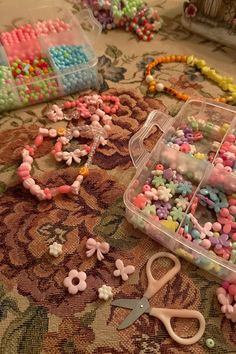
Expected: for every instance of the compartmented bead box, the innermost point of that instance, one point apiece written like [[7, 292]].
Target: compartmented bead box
[[184, 192], [47, 55]]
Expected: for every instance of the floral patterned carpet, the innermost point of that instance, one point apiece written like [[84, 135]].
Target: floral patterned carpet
[[37, 314]]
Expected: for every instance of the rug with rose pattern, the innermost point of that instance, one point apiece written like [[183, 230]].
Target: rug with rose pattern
[[37, 315]]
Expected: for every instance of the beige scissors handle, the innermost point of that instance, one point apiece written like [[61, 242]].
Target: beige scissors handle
[[165, 316], [155, 285]]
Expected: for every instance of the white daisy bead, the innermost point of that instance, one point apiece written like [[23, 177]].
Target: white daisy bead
[[55, 249], [105, 292]]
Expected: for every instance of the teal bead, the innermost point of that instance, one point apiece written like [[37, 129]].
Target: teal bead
[[195, 234]]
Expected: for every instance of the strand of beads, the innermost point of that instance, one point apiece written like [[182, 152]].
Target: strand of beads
[[225, 83], [26, 166], [127, 8]]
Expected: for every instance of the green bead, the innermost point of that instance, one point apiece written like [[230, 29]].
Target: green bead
[[210, 343]]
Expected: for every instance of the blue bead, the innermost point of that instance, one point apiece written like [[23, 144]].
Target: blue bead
[[195, 233]]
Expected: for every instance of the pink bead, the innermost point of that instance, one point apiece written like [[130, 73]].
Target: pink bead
[[107, 109], [225, 285], [231, 138], [232, 201], [233, 237], [38, 140], [206, 243], [227, 228], [232, 209], [23, 174], [224, 212], [58, 146], [64, 189], [232, 149], [216, 226], [146, 188], [229, 163], [232, 289], [67, 104]]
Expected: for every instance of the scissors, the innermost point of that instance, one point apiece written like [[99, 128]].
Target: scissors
[[141, 306]]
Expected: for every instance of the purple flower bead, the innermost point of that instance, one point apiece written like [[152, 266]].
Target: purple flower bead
[[220, 242], [168, 174], [187, 130]]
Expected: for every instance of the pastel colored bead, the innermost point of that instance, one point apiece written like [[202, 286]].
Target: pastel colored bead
[[210, 343]]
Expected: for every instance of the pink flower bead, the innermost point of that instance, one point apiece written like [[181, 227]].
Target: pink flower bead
[[206, 243], [233, 237], [225, 285]]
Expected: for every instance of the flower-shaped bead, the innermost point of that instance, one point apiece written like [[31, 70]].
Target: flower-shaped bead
[[55, 249], [149, 210], [177, 214], [172, 186], [73, 276], [164, 194], [184, 189], [182, 203], [123, 271], [105, 292], [158, 181]]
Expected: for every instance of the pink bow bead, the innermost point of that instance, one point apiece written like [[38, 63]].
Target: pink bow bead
[[72, 276], [225, 300], [122, 270], [99, 247], [55, 113], [231, 315]]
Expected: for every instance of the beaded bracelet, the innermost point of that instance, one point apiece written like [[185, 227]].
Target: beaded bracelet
[[127, 8], [225, 83], [91, 108]]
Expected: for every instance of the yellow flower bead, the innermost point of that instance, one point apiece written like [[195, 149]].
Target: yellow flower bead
[[205, 70], [61, 131], [190, 59], [200, 156], [84, 171]]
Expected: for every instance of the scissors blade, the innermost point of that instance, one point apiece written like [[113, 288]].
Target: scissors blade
[[141, 307], [126, 303]]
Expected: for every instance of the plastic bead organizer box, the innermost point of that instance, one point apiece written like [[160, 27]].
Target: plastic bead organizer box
[[218, 121], [48, 57]]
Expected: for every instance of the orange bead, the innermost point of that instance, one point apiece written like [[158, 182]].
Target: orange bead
[[152, 83], [223, 99], [178, 57], [168, 59], [152, 89], [61, 131], [172, 57], [84, 171]]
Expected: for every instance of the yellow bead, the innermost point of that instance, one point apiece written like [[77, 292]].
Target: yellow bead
[[84, 171], [61, 131], [169, 224], [190, 59], [184, 254], [152, 83], [205, 70], [200, 156]]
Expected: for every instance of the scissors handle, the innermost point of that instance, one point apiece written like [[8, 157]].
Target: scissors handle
[[165, 316], [154, 285]]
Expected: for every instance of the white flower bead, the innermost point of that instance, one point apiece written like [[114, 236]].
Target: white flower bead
[[182, 203], [25, 153], [64, 140], [55, 249], [180, 133], [149, 78], [80, 178], [105, 292], [159, 87], [75, 187]]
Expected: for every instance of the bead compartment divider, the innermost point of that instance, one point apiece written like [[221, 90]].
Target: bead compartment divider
[[166, 237]]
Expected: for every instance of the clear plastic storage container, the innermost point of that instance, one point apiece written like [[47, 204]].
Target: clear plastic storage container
[[56, 58], [219, 121]]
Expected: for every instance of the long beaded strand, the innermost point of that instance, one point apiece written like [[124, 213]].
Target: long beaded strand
[[225, 83]]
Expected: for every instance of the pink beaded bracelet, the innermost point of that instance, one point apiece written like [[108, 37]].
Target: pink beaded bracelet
[[92, 107]]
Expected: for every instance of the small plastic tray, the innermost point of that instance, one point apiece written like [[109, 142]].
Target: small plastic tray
[[58, 81], [223, 117]]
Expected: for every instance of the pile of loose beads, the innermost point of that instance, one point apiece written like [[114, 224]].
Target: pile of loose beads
[[226, 296], [219, 234], [196, 138], [165, 196], [8, 95], [28, 32], [225, 83], [70, 57], [25, 69], [133, 16]]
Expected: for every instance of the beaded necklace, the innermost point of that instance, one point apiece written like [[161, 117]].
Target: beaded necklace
[[225, 83], [93, 108]]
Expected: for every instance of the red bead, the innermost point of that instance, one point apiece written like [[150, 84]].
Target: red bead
[[64, 189]]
